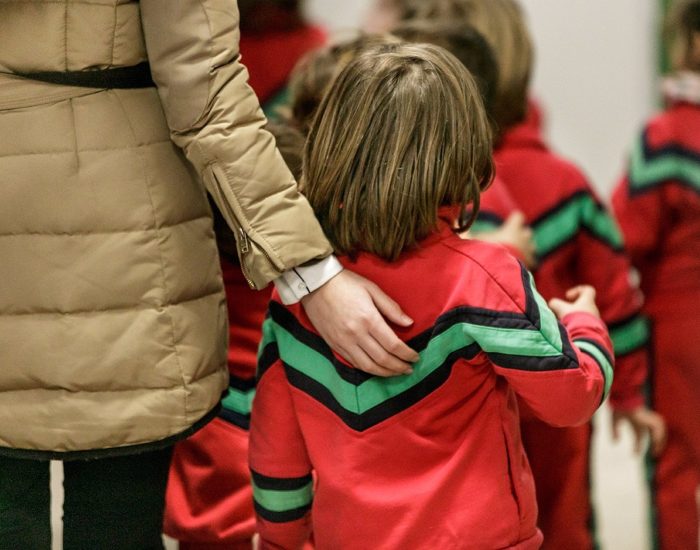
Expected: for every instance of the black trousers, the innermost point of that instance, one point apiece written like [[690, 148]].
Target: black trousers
[[114, 503]]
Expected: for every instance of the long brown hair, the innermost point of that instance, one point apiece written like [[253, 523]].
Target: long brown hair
[[401, 132]]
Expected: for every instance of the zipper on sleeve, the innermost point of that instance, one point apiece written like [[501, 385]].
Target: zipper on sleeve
[[244, 241]]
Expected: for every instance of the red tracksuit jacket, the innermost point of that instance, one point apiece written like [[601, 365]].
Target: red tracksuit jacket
[[577, 242], [658, 205], [432, 459]]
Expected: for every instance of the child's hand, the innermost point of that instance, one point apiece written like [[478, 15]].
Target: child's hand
[[581, 299], [643, 421], [514, 233]]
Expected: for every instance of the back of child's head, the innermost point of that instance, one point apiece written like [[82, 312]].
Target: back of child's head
[[401, 132], [313, 74], [683, 35], [503, 25], [465, 43]]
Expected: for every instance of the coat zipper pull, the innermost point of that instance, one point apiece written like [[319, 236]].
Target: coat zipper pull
[[245, 246]]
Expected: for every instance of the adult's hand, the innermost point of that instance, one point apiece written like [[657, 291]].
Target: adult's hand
[[347, 312]]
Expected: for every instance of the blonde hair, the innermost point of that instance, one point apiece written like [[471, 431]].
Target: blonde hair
[[401, 132], [502, 23], [681, 31], [317, 69]]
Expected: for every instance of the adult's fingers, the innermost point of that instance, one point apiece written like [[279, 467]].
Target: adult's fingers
[[382, 357], [388, 307], [391, 343], [361, 360]]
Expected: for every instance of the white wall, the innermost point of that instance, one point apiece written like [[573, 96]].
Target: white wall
[[594, 73]]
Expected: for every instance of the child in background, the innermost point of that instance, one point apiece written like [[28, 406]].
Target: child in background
[[209, 501], [474, 52], [577, 242], [314, 73], [432, 459], [658, 208], [274, 36]]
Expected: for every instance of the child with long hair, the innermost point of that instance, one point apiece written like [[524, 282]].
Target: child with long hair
[[398, 148], [658, 207], [576, 242]]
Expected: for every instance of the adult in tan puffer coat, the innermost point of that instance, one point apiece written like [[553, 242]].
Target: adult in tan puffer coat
[[112, 315]]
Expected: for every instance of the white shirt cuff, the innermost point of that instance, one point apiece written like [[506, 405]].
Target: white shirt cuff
[[300, 281]]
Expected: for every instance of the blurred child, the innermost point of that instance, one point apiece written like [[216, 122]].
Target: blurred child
[[576, 242], [315, 71], [432, 459], [472, 49], [658, 207], [209, 501], [274, 36]]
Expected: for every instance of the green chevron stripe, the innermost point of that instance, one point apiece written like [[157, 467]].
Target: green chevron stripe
[[282, 501], [549, 326], [374, 391], [631, 336], [600, 358], [239, 401], [671, 166], [565, 223]]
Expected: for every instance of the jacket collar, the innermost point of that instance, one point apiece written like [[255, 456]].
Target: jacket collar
[[525, 135]]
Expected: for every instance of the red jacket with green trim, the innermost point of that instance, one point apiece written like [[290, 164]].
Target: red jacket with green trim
[[577, 242], [658, 207], [246, 313], [432, 459]]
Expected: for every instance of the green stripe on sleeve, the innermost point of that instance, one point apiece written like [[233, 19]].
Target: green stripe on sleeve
[[630, 336], [549, 326], [239, 401], [283, 501], [602, 361], [671, 166]]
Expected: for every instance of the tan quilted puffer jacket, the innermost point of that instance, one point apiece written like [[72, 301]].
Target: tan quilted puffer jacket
[[112, 314]]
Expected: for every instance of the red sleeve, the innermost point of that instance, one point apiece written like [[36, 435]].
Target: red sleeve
[[567, 372], [562, 371], [280, 466], [569, 397]]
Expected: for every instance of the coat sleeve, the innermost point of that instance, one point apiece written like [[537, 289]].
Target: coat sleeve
[[215, 117], [563, 371], [280, 466]]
